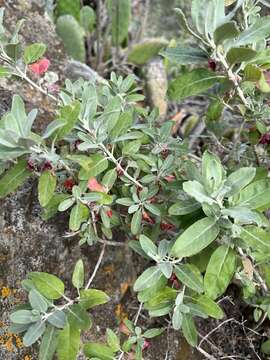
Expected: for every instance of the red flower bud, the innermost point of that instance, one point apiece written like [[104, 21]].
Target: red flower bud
[[109, 213], [146, 345], [212, 65], [174, 281], [68, 184], [77, 143], [40, 67], [169, 178], [265, 139], [166, 226], [148, 218]]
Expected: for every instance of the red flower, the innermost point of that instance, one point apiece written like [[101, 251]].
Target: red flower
[[265, 139], [109, 213], [30, 165], [146, 345], [40, 67], [68, 184], [94, 185], [212, 65], [148, 218], [166, 226], [46, 166]]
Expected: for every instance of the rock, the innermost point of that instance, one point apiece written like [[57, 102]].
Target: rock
[[156, 85], [75, 70]]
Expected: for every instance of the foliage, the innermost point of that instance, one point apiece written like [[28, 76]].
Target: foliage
[[110, 166]]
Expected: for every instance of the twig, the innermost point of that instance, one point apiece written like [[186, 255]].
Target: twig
[[23, 76], [208, 356], [215, 329], [119, 166], [96, 267], [138, 314]]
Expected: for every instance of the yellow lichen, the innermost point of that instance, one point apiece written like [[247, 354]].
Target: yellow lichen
[[5, 292], [27, 357]]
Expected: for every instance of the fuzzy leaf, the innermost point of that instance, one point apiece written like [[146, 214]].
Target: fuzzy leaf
[[192, 83], [197, 237], [219, 271]]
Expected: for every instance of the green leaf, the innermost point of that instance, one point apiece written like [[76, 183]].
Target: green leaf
[[258, 31], [189, 330], [71, 7], [136, 222], [21, 317], [196, 190], [112, 340], [109, 178], [87, 18], [52, 127], [69, 114], [219, 272], [190, 276], [148, 246], [48, 285], [91, 297], [144, 51], [99, 351], [78, 275], [58, 319], [79, 213], [197, 237], [237, 55], [148, 278], [192, 83], [226, 31], [185, 55], [52, 207], [120, 13], [37, 301], [123, 124], [4, 71], [73, 36], [33, 52], [265, 348], [68, 343], [151, 333], [13, 178], [78, 317], [96, 165], [48, 344], [256, 238], [213, 172], [210, 307], [240, 179], [46, 187], [131, 148], [252, 73], [255, 196], [184, 207], [153, 209], [177, 319], [215, 110], [34, 333], [243, 215]]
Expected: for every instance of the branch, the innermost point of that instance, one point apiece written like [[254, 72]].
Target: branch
[[119, 166]]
